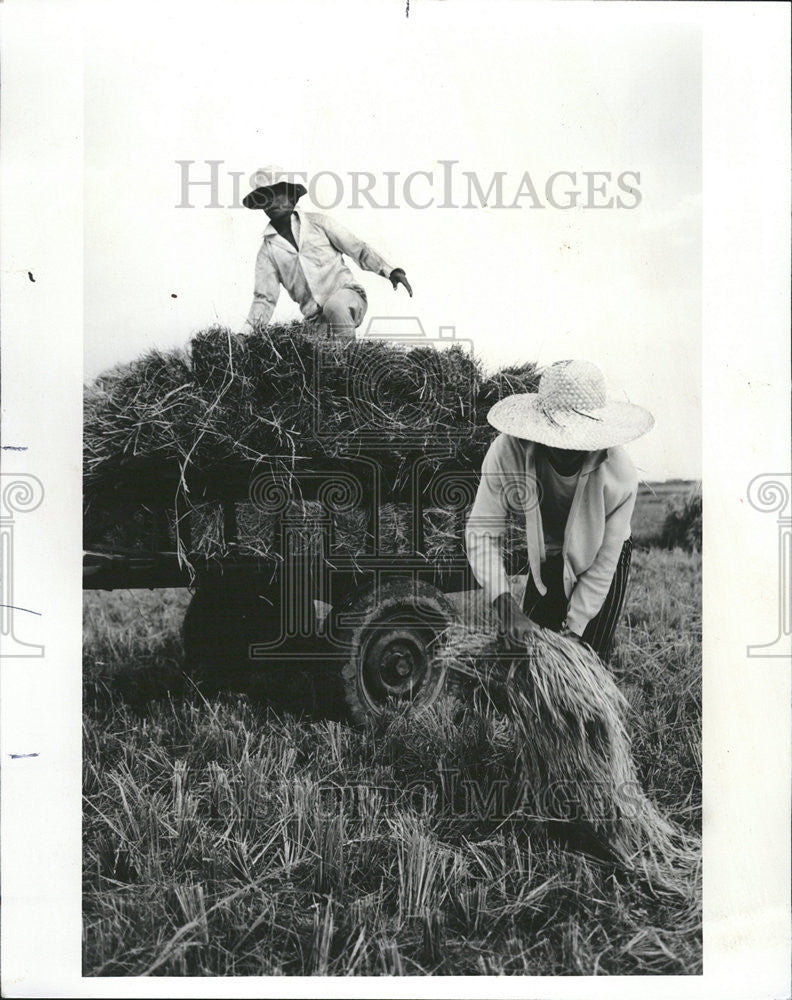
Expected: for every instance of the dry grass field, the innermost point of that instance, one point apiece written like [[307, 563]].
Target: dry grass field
[[255, 832]]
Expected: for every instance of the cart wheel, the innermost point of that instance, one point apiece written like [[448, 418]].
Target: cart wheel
[[393, 633], [219, 626]]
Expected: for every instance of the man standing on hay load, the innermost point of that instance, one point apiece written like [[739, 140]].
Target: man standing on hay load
[[303, 251], [558, 461]]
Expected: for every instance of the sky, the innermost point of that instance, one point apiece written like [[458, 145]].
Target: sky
[[510, 88]]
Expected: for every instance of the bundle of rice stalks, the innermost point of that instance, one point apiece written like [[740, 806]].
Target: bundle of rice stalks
[[299, 397], [143, 409], [574, 749], [282, 394], [135, 417]]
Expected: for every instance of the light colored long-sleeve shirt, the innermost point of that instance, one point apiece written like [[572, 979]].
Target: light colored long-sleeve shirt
[[313, 271], [596, 529]]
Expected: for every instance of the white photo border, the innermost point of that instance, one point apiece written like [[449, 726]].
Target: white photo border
[[746, 255]]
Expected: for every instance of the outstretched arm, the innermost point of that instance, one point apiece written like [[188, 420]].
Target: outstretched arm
[[266, 288], [484, 535], [484, 532], [364, 256]]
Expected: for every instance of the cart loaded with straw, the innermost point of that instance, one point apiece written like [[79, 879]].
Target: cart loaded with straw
[[311, 494]]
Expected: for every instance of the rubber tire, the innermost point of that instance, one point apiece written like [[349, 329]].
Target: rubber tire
[[412, 608]]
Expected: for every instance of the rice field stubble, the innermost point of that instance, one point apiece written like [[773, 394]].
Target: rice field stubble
[[228, 834]]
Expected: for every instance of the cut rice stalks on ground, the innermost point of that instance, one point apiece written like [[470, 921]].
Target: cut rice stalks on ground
[[575, 751]]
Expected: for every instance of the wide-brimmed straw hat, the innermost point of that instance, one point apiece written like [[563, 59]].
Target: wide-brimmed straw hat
[[570, 410], [265, 181]]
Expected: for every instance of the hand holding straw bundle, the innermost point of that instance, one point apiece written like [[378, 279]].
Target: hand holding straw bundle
[[571, 725]]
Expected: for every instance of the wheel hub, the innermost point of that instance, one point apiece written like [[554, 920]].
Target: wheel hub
[[394, 639], [395, 663], [398, 659]]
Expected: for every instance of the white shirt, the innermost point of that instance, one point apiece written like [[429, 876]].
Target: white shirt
[[313, 271]]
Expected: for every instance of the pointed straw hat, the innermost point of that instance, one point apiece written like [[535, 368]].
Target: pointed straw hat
[[570, 410]]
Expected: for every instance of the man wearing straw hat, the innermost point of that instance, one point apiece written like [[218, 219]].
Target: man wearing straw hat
[[303, 251], [558, 462]]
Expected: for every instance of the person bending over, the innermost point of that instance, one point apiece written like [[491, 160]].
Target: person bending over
[[560, 464]]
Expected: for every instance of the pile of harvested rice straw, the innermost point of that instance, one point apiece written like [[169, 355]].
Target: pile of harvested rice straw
[[282, 400], [575, 751]]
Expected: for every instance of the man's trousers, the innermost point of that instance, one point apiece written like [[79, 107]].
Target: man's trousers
[[342, 314]]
